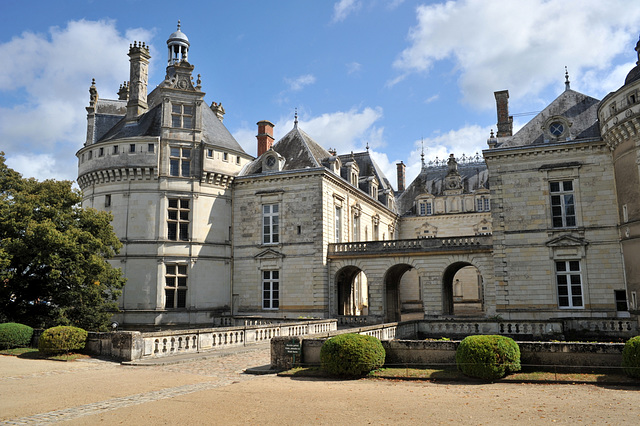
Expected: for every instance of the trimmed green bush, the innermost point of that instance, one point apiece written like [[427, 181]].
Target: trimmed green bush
[[488, 357], [631, 357], [351, 355], [14, 335], [62, 339]]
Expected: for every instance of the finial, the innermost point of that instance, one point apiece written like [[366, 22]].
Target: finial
[[492, 135], [295, 118], [422, 154], [178, 25], [566, 79], [367, 146]]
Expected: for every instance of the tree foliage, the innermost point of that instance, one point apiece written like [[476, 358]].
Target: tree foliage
[[53, 255]]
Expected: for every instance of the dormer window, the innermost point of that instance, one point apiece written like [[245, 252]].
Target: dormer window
[[483, 204], [182, 116], [425, 208]]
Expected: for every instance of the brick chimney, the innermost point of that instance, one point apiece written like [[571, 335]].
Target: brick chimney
[[138, 76], [401, 172], [505, 121], [264, 136]]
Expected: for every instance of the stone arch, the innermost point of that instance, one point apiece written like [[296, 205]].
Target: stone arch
[[392, 302], [462, 289], [352, 291]]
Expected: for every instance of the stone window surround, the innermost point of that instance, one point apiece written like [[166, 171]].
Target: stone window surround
[[180, 161], [182, 115], [178, 218], [570, 274], [558, 173], [270, 279], [175, 285], [270, 197]]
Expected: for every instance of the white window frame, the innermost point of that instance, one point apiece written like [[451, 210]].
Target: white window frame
[[271, 223], [569, 284], [563, 204], [178, 219], [182, 116], [175, 286], [338, 224], [179, 161], [270, 289]]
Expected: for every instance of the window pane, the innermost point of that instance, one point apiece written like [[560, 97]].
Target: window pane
[[175, 152], [176, 109], [182, 269], [563, 301], [186, 152], [182, 299], [175, 121], [275, 208], [168, 298], [266, 209], [170, 281], [187, 110], [184, 204], [571, 221], [561, 266], [186, 168], [275, 303], [265, 275], [173, 215], [574, 265], [562, 280], [174, 169], [554, 186], [184, 231], [172, 233], [184, 215], [567, 185], [577, 301], [563, 291], [182, 281], [555, 200], [173, 203], [276, 275]]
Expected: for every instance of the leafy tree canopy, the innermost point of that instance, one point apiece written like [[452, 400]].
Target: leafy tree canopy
[[53, 255]]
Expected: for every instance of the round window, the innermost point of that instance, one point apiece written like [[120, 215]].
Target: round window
[[556, 128]]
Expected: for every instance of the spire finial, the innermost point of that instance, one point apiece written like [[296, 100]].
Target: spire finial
[[422, 154], [178, 25], [367, 146], [295, 119], [567, 86]]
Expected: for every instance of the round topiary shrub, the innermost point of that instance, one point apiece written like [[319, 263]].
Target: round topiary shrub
[[62, 339], [14, 335], [351, 355], [631, 357], [488, 357]]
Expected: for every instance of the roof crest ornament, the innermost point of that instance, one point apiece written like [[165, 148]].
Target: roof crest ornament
[[567, 86], [422, 154], [295, 119], [367, 146]]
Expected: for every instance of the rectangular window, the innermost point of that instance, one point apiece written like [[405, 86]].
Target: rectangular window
[[621, 300], [132, 147], [569, 282], [101, 152], [182, 116], [115, 149], [175, 289], [423, 209], [270, 289], [180, 161], [563, 210], [209, 153], [270, 224], [178, 219], [107, 200], [151, 147], [487, 205], [225, 156], [90, 155], [338, 228], [356, 228], [238, 159]]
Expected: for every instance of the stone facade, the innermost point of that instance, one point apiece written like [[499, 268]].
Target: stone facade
[[545, 225]]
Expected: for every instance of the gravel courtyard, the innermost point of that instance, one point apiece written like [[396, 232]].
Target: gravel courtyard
[[215, 391]]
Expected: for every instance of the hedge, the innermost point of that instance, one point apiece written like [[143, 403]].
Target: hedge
[[62, 339], [351, 355], [14, 335], [488, 357]]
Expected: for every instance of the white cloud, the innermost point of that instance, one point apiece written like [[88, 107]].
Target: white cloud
[[343, 130], [353, 67], [343, 8], [298, 83], [49, 76], [522, 46]]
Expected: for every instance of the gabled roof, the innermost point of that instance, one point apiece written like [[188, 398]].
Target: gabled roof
[[299, 151], [578, 109], [368, 167]]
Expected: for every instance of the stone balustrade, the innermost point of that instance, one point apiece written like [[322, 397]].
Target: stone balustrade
[[134, 345], [456, 328], [392, 247]]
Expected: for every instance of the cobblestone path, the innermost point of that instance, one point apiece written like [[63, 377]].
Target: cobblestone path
[[223, 369]]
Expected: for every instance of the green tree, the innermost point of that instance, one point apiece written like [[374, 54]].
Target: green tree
[[53, 255]]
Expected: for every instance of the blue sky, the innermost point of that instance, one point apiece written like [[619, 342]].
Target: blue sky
[[387, 73]]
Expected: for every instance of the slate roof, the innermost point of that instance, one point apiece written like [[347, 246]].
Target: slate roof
[[368, 167], [113, 127], [579, 109], [431, 180], [299, 150]]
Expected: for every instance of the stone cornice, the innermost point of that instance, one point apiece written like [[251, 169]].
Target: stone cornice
[[543, 149], [117, 175]]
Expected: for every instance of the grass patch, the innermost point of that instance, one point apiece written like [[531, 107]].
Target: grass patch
[[33, 353], [452, 374]]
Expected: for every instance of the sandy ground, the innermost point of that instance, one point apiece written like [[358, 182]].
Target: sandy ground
[[214, 391]]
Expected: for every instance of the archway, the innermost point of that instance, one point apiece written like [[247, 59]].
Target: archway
[[462, 290], [353, 292], [392, 305]]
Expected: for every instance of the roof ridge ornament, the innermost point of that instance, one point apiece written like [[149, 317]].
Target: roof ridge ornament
[[295, 119], [567, 85]]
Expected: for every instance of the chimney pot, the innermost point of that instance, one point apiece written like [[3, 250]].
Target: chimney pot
[[264, 136], [401, 176]]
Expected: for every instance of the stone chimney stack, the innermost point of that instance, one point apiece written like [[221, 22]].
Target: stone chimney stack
[[264, 136], [123, 93], [138, 76], [505, 121], [401, 176]]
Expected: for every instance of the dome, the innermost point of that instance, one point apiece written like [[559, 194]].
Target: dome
[[178, 36], [633, 75]]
